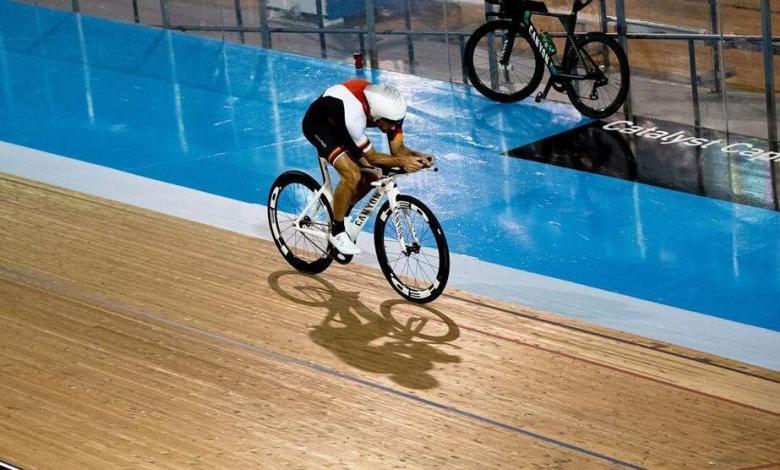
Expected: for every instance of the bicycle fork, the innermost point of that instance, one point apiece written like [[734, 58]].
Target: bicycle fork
[[397, 215]]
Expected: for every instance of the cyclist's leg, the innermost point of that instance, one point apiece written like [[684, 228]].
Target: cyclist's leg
[[329, 140], [368, 176], [347, 188], [334, 145]]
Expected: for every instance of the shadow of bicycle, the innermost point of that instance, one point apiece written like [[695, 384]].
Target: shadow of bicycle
[[403, 341]]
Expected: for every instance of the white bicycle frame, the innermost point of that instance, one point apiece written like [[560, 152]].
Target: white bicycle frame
[[383, 186]]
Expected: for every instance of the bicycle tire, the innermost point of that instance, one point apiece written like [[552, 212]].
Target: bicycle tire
[[570, 62], [413, 293], [275, 195], [487, 89]]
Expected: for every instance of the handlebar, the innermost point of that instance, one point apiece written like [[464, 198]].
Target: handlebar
[[392, 171]]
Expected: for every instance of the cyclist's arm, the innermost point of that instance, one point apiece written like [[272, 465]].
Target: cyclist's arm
[[409, 163], [380, 159], [397, 147]]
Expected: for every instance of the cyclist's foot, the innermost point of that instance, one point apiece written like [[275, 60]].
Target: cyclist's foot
[[343, 244]]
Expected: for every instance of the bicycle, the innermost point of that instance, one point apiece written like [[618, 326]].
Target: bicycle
[[411, 250], [505, 59]]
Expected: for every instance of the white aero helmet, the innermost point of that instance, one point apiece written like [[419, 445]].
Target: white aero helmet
[[385, 102]]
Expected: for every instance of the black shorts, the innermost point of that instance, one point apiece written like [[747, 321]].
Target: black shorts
[[323, 126]]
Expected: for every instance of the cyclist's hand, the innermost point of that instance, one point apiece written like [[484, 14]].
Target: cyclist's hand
[[414, 163], [428, 159]]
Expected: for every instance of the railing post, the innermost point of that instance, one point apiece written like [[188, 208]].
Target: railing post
[[239, 20], [265, 35], [74, 5], [166, 20], [371, 33], [715, 29], [321, 26], [462, 44], [622, 31], [769, 72], [447, 38], [492, 54], [694, 83], [409, 40], [774, 168], [603, 16], [136, 16]]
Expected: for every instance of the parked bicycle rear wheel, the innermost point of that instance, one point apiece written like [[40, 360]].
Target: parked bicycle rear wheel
[[598, 52], [289, 196], [482, 55], [419, 270]]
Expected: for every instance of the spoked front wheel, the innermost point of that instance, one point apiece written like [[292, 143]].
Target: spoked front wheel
[[302, 238], [412, 250], [600, 58], [483, 55]]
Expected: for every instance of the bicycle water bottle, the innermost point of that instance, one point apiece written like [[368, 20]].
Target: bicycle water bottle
[[548, 43]]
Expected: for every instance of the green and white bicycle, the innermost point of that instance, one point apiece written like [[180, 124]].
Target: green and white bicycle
[[410, 244], [505, 59]]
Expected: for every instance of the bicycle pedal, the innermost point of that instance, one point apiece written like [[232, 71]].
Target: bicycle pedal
[[539, 97], [340, 258]]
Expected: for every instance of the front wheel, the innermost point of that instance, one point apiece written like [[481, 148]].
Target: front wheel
[[508, 82], [412, 250], [601, 59], [304, 244]]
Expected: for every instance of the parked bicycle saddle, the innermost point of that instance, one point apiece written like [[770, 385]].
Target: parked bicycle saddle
[[515, 8]]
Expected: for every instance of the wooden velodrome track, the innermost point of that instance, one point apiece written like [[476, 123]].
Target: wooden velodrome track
[[130, 339]]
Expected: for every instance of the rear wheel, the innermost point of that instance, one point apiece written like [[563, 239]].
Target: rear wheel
[[482, 56], [600, 56], [304, 246], [419, 269]]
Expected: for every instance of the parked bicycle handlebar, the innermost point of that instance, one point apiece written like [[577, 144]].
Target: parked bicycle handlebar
[[578, 4], [581, 4]]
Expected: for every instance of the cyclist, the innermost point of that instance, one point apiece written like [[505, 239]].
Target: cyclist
[[335, 124]]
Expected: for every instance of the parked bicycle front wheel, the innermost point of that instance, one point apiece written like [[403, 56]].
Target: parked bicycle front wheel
[[602, 58], [508, 82], [305, 244], [412, 250]]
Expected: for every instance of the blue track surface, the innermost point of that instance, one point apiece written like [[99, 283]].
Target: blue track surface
[[225, 119]]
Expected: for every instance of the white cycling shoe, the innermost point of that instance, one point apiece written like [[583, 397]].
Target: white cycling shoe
[[344, 244]]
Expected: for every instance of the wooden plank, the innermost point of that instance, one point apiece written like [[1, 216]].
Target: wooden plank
[[129, 338]]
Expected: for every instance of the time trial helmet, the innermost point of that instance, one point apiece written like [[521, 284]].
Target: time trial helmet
[[385, 102]]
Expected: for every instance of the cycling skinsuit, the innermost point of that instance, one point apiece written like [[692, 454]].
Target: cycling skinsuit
[[336, 122]]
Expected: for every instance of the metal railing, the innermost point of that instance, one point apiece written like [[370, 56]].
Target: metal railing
[[768, 45]]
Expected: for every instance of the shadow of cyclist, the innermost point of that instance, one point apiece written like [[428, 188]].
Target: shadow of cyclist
[[403, 340]]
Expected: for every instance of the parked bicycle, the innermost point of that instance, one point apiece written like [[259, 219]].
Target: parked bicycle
[[410, 244], [505, 59]]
